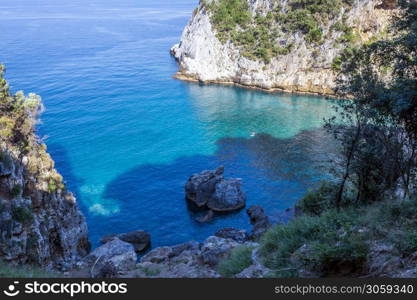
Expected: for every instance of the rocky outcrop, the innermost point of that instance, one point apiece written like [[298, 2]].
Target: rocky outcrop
[[40, 222], [306, 68], [259, 220], [113, 259], [237, 235], [210, 190], [190, 260], [139, 239]]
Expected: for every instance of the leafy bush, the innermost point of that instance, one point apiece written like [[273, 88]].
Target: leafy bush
[[240, 258], [259, 36], [16, 190], [319, 200], [319, 243], [22, 215], [10, 271]]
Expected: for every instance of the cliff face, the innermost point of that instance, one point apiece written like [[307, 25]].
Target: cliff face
[[40, 222], [280, 45]]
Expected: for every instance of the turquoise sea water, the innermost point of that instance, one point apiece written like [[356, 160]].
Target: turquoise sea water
[[126, 136]]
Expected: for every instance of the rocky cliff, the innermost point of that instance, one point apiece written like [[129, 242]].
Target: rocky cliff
[[283, 45], [40, 222]]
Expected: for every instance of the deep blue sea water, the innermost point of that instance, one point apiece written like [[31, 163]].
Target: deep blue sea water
[[126, 136]]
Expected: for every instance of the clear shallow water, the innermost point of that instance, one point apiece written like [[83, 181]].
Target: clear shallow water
[[126, 136]]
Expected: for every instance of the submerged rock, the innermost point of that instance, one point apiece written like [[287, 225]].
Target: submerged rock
[[210, 190], [139, 239], [207, 217]]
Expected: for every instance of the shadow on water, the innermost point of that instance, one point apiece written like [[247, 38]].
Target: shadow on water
[[64, 167], [275, 173]]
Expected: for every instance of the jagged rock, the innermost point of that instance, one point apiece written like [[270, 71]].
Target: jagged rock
[[210, 190], [180, 261], [228, 196], [140, 239], [306, 68], [237, 235], [259, 220], [215, 249], [382, 260], [115, 256], [200, 187]]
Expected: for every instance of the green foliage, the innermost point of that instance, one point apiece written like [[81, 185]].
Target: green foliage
[[240, 258], [394, 222], [379, 137], [259, 36], [319, 200], [16, 190], [10, 271], [16, 112], [22, 215], [320, 243]]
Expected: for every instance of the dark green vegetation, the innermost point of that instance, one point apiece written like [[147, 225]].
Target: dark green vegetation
[[10, 271], [264, 36], [240, 258], [374, 194]]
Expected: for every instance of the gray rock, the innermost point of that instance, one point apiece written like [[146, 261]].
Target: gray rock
[[140, 239], [228, 196], [115, 256], [6, 164], [259, 220], [210, 190], [237, 235], [215, 249], [382, 260]]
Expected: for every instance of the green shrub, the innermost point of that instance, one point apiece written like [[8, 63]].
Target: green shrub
[[319, 200], [16, 190], [258, 36], [10, 271], [319, 243], [22, 215], [240, 258]]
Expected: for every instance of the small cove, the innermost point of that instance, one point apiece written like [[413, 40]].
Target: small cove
[[126, 136]]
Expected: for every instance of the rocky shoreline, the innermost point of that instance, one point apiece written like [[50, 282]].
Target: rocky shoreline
[[192, 79]]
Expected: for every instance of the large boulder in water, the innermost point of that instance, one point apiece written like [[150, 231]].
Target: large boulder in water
[[139, 239], [201, 187], [210, 190], [228, 196]]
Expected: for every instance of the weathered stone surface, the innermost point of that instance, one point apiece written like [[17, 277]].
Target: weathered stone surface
[[202, 57], [114, 257], [237, 235], [259, 220], [228, 196], [180, 261], [215, 249], [210, 190], [140, 239], [39, 224], [382, 260], [200, 187]]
